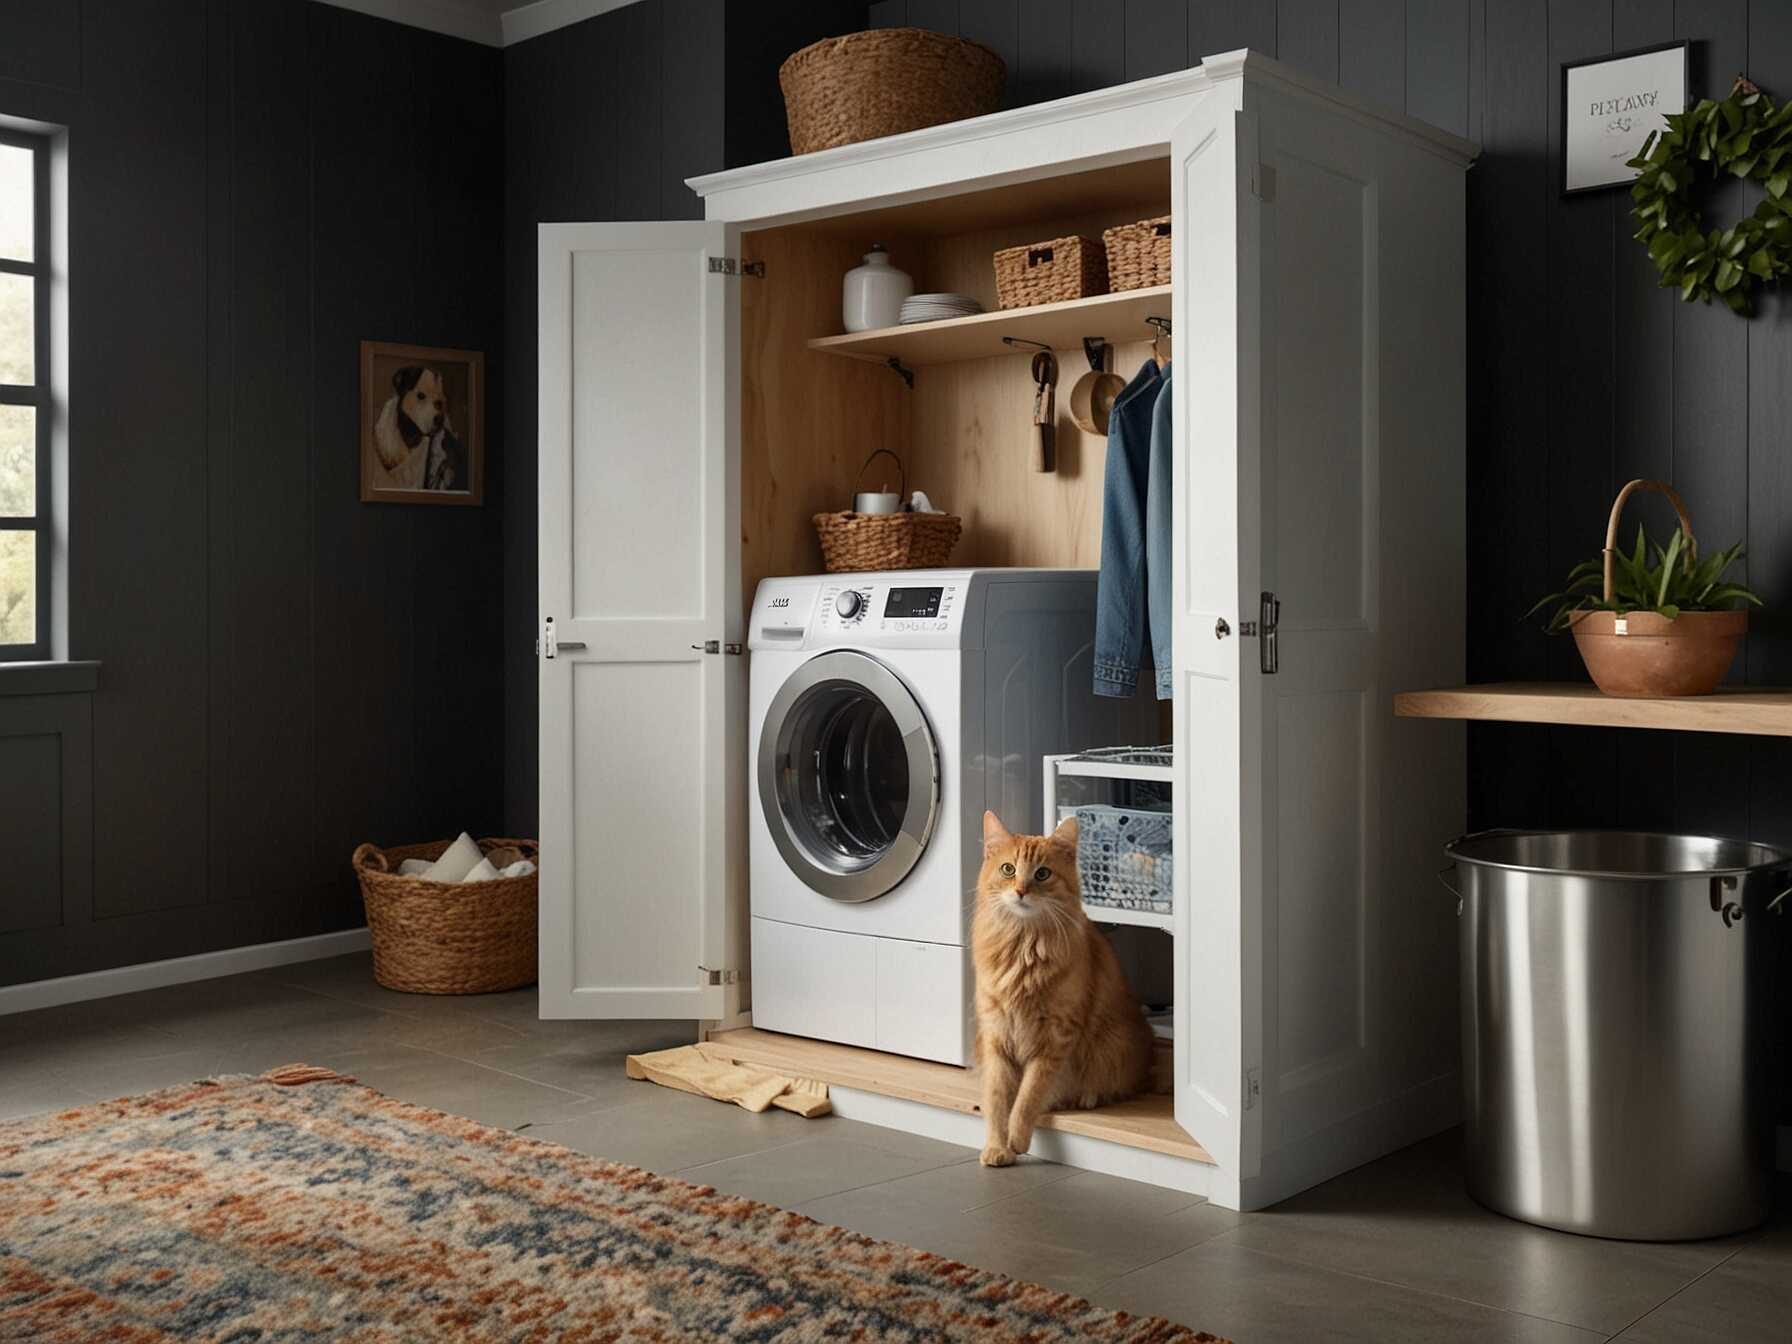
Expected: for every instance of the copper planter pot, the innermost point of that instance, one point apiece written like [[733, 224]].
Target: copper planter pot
[[1687, 655]]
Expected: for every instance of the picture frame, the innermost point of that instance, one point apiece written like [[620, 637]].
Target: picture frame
[[422, 424], [1610, 104]]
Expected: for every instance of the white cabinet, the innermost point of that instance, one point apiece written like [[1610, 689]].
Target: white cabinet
[[695, 412]]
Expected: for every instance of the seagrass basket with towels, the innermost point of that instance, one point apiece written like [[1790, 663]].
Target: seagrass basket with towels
[[449, 937]]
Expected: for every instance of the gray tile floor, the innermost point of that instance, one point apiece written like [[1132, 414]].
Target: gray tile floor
[[1391, 1251]]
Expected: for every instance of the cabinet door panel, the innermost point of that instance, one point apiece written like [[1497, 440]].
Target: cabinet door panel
[[641, 726]]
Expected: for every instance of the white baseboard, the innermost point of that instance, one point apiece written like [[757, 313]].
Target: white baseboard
[[1072, 1150], [178, 970]]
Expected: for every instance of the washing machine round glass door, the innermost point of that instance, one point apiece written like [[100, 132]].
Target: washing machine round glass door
[[848, 776]]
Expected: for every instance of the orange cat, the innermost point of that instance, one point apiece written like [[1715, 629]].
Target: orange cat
[[1057, 1025]]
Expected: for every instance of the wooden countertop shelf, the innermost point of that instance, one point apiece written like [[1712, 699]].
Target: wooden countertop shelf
[[1115, 317], [1753, 710]]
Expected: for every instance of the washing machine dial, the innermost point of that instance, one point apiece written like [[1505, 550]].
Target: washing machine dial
[[850, 605]]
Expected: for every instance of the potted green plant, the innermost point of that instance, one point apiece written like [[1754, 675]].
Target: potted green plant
[[1658, 621]]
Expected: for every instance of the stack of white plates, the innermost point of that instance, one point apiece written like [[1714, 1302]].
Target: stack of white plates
[[934, 307]]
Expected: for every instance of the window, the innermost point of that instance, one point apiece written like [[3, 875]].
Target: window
[[24, 396]]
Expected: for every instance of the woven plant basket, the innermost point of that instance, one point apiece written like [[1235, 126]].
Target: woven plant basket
[[885, 81], [448, 937], [1138, 254], [1049, 272]]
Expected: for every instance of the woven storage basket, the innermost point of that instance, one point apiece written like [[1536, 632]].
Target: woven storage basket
[[448, 937], [884, 81], [851, 542], [1138, 254], [1057, 269]]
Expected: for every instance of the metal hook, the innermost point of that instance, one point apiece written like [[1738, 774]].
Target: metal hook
[[1161, 323], [1095, 350], [908, 375]]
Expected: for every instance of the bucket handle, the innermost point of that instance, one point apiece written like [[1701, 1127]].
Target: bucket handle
[[1611, 526], [1454, 891], [1730, 910]]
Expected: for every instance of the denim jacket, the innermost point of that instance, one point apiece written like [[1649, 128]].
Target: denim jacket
[[1132, 612]]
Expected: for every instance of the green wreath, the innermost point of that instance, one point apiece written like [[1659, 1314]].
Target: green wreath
[[1745, 136]]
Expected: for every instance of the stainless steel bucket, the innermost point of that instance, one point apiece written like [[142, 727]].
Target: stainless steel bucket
[[1615, 1029]]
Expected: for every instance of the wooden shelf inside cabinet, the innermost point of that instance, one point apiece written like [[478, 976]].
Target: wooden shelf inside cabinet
[[1116, 317], [1756, 711]]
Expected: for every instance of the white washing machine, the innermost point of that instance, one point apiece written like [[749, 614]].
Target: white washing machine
[[888, 711]]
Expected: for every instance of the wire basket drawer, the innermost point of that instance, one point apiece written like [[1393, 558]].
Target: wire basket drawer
[[1124, 858]]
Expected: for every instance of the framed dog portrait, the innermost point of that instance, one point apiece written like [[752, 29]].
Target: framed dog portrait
[[1610, 104], [422, 425]]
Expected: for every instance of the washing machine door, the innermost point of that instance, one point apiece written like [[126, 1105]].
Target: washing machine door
[[849, 776]]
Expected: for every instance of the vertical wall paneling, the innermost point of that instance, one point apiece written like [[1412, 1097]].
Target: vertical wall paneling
[[1436, 62], [638, 113], [941, 16], [1046, 62], [1642, 421], [1226, 25], [255, 187], [1156, 37], [1511, 192], [996, 24], [692, 52], [1710, 421], [262, 760], [1372, 46], [1577, 326], [1098, 31], [1307, 36], [888, 14], [137, 229]]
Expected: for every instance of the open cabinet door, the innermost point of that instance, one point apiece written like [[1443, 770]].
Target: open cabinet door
[[1279, 744], [642, 710], [1218, 934]]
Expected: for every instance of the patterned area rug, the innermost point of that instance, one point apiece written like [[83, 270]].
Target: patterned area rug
[[297, 1207]]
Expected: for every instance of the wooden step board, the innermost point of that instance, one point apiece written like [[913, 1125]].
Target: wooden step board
[[1144, 1122]]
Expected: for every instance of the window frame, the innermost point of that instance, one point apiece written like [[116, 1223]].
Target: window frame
[[38, 393]]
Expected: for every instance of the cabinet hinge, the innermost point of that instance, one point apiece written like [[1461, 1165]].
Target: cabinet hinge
[[718, 977], [716, 646], [734, 266], [1253, 1088], [1263, 181]]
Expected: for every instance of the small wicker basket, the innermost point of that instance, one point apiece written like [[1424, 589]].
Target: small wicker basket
[[1049, 272], [1138, 254], [448, 937], [855, 542], [884, 81]]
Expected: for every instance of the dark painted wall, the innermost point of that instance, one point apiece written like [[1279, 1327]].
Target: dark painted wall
[[255, 187], [604, 120]]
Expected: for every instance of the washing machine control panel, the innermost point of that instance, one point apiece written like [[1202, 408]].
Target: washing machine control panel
[[924, 609], [882, 610]]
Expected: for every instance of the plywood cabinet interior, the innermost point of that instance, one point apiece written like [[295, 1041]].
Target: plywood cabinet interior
[[810, 419]]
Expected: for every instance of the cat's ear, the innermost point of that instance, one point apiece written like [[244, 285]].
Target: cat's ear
[[994, 833], [1065, 835]]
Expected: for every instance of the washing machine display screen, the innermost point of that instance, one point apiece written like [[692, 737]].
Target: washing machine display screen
[[851, 775], [913, 603]]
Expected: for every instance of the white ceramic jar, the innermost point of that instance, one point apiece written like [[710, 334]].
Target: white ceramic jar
[[872, 294]]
